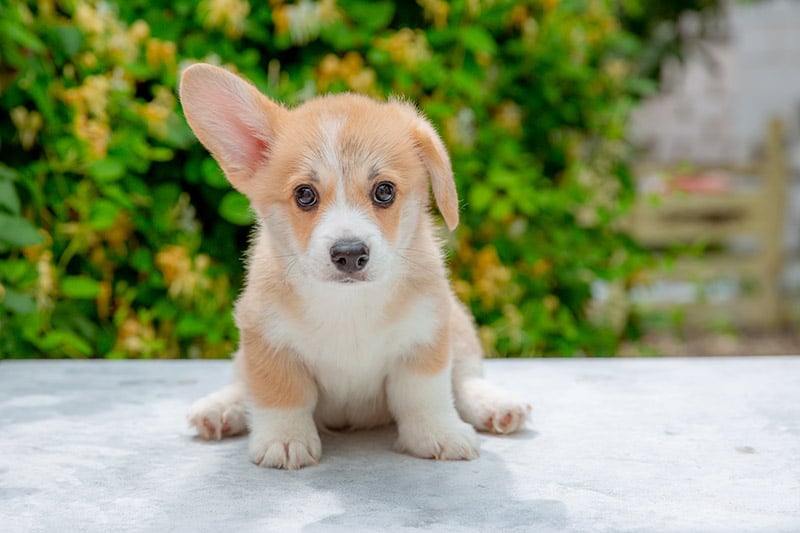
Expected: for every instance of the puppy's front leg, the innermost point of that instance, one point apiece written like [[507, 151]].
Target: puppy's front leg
[[421, 399], [283, 397]]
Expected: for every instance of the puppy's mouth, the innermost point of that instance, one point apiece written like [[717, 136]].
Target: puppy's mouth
[[352, 278]]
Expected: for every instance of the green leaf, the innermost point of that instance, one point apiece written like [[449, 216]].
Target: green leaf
[[65, 342], [17, 272], [212, 174], [70, 315], [71, 39], [371, 16], [160, 153], [8, 173], [235, 208], [189, 326], [478, 40], [500, 209], [20, 35], [17, 231], [480, 196], [8, 197], [80, 287], [108, 169], [17, 302], [142, 260], [103, 214]]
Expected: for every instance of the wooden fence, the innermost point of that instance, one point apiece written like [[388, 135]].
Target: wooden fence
[[735, 214]]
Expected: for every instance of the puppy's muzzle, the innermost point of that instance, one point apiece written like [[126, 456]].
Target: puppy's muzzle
[[349, 256]]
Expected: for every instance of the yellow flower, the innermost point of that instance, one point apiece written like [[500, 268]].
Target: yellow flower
[[328, 71], [121, 47], [438, 10], [363, 81], [158, 53], [491, 277], [349, 69], [158, 111], [616, 69], [328, 12], [550, 5], [136, 336], [139, 31], [509, 117], [306, 18], [541, 267], [89, 101], [96, 134], [530, 30], [280, 17], [45, 283], [460, 129], [104, 300], [45, 8], [488, 337], [514, 323], [406, 47], [474, 7], [518, 15], [88, 60], [28, 124], [183, 276], [462, 289], [95, 94], [88, 19], [551, 302], [174, 263], [105, 33], [118, 234], [227, 15]]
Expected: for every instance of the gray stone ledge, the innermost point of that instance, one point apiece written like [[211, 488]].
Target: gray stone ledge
[[615, 445]]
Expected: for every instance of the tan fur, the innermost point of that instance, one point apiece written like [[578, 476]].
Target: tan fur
[[438, 164], [274, 377], [433, 358]]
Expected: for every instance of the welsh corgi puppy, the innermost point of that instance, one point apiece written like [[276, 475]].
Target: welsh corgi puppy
[[347, 319]]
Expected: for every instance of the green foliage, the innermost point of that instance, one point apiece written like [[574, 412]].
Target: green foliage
[[119, 236]]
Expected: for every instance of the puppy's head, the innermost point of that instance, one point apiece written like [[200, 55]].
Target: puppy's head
[[340, 183]]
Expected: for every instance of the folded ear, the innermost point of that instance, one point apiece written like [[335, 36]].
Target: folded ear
[[231, 118], [437, 162]]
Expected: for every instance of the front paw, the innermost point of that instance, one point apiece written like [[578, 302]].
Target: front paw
[[280, 438], [221, 414], [452, 440], [489, 408]]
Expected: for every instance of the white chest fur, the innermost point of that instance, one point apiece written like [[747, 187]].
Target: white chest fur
[[350, 341]]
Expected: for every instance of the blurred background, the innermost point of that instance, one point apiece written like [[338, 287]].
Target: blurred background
[[629, 171]]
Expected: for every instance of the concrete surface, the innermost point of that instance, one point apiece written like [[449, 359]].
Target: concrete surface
[[615, 445]]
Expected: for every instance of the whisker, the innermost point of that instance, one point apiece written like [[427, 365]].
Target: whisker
[[289, 269], [411, 261]]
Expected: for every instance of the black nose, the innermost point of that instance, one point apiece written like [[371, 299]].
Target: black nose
[[349, 256]]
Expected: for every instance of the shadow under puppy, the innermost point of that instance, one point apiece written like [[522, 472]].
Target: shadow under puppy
[[347, 319]]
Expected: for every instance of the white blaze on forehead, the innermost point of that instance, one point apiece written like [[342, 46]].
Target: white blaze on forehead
[[328, 150], [336, 156]]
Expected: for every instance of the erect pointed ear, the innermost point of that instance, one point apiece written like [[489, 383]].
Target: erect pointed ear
[[437, 162], [231, 118]]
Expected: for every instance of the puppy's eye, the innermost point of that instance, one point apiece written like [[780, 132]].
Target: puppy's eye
[[383, 194], [305, 196]]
